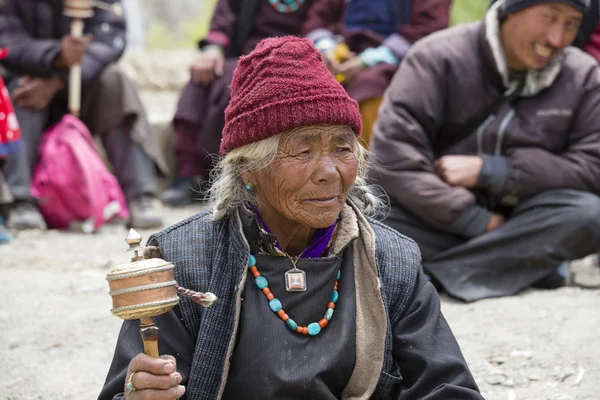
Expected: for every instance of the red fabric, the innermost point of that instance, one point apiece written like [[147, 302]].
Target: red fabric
[[10, 134], [284, 84], [593, 45]]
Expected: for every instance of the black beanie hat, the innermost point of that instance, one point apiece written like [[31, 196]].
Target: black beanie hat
[[511, 6]]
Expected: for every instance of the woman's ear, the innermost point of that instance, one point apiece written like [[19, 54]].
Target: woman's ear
[[248, 177]]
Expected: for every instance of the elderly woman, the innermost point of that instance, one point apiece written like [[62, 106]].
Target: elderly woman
[[315, 299]]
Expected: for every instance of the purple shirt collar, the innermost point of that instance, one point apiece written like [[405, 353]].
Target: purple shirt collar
[[318, 245]]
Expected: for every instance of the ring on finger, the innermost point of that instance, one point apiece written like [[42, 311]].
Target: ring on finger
[[130, 386]]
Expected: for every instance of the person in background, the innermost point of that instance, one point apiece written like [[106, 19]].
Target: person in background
[[41, 53], [377, 35], [589, 37], [236, 27], [353, 317], [10, 143], [487, 145]]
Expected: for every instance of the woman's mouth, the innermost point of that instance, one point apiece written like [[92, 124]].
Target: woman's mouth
[[324, 200]]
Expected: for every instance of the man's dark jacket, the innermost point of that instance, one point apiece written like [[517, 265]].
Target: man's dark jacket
[[447, 99]]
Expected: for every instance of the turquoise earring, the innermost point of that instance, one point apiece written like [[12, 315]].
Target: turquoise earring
[[249, 186]]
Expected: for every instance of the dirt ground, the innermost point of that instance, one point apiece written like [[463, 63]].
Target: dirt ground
[[57, 334]]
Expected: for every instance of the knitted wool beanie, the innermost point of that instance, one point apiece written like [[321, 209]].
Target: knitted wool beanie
[[511, 6], [284, 84]]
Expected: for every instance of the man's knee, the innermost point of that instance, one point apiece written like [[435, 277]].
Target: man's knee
[[112, 75], [582, 210]]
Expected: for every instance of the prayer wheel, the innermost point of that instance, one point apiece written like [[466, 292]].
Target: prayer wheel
[[78, 8], [145, 288]]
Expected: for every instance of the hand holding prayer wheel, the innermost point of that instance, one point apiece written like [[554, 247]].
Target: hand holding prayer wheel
[[142, 289]]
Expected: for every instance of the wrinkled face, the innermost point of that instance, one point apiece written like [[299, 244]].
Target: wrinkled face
[[307, 183], [532, 37]]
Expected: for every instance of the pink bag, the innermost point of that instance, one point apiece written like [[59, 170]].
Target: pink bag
[[74, 187]]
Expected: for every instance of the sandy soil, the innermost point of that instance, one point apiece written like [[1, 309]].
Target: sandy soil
[[57, 334]]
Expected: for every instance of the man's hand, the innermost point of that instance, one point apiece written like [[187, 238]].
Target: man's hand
[[72, 50], [495, 221], [459, 170], [208, 66], [36, 93]]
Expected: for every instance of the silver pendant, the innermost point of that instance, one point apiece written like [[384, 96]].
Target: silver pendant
[[295, 280]]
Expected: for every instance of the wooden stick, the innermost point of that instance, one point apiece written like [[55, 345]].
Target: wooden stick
[[149, 333], [75, 73]]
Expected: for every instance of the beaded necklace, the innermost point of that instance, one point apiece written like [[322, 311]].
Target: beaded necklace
[[275, 305], [286, 6]]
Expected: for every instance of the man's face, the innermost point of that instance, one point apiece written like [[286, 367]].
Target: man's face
[[532, 37]]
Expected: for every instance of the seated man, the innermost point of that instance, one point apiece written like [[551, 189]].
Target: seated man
[[236, 27], [487, 144], [378, 34], [41, 52]]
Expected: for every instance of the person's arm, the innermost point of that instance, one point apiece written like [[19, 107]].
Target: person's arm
[[323, 22], [222, 25], [173, 339], [532, 170], [108, 32], [27, 55], [410, 118], [427, 16], [429, 358]]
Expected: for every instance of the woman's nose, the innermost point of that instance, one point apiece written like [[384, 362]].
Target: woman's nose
[[326, 169]]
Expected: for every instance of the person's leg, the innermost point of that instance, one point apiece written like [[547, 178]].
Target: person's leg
[[5, 198], [198, 124], [190, 177], [113, 110], [135, 172], [431, 241], [540, 234], [19, 168]]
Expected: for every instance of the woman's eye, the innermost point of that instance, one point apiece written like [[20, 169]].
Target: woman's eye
[[303, 153], [344, 149]]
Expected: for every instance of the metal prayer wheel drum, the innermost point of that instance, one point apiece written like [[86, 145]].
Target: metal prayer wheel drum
[[78, 8], [143, 289]]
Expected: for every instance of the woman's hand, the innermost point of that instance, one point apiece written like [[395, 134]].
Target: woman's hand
[[153, 378], [208, 66], [350, 69]]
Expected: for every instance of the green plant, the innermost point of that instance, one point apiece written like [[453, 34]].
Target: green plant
[[467, 10]]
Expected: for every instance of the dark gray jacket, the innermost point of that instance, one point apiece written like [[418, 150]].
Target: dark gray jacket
[[404, 347], [32, 29]]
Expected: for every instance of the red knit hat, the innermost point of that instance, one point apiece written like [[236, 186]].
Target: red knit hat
[[284, 84]]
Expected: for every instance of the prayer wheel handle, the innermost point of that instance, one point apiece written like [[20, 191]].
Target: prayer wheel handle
[[145, 288]]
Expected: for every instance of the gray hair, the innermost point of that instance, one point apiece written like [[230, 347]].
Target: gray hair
[[228, 192]]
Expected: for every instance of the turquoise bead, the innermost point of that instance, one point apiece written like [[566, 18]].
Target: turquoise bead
[[275, 305], [314, 329], [251, 261], [261, 282], [335, 296], [329, 314], [339, 275], [281, 8], [291, 324]]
